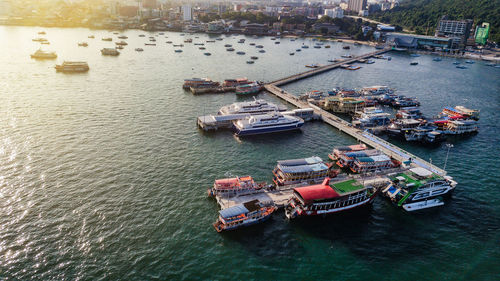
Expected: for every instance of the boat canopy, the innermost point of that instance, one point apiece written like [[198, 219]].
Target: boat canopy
[[375, 158], [233, 211], [300, 162], [363, 153], [315, 192], [303, 168], [351, 147]]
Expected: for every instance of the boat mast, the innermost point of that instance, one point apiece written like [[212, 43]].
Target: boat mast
[[449, 145]]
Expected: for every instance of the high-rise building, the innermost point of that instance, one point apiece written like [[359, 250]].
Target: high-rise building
[[458, 30], [187, 13], [336, 12], [356, 5]]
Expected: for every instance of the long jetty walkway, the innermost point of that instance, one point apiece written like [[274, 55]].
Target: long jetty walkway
[[344, 126]]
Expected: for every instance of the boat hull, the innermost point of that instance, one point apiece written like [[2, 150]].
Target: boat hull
[[258, 131]]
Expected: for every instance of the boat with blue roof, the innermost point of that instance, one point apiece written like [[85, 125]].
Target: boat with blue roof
[[303, 171], [242, 215]]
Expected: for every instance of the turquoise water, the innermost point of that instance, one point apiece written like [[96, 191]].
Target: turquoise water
[[103, 175]]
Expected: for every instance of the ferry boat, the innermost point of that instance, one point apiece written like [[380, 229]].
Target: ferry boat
[[461, 127], [235, 82], [403, 101], [109, 52], [338, 151], [91, 36], [372, 164], [241, 215], [40, 54], [267, 123], [345, 159], [461, 111], [72, 66], [42, 32], [409, 113], [240, 53], [369, 120], [398, 127], [230, 49], [235, 186], [139, 49], [417, 189], [83, 44], [189, 40], [315, 95], [249, 89], [262, 51], [121, 43], [122, 37], [424, 134], [199, 83], [254, 58], [228, 45], [377, 90], [251, 107], [311, 170], [39, 39], [329, 198], [107, 39], [259, 46]]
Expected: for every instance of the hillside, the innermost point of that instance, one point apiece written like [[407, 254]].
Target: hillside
[[422, 16]]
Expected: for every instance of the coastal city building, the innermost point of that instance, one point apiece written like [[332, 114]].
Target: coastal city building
[[356, 5], [187, 13], [458, 30], [336, 12]]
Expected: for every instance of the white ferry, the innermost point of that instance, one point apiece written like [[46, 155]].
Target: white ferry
[[251, 107], [461, 127], [267, 123], [418, 189], [40, 54]]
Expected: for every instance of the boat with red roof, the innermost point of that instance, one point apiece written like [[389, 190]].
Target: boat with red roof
[[328, 198]]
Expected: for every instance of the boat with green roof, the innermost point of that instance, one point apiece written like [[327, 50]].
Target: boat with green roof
[[328, 198], [418, 188]]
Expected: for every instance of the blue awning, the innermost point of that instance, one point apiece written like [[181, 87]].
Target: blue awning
[[233, 211]]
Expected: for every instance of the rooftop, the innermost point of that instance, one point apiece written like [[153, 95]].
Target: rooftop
[[346, 186]]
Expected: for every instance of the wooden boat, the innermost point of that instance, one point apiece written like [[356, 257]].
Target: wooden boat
[[242, 215]]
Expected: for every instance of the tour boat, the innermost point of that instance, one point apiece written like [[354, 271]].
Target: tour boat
[[398, 127], [121, 43], [72, 66], [249, 89], [418, 185], [254, 58], [39, 39], [461, 111], [305, 171], [403, 101], [257, 106], [40, 54], [461, 127], [199, 83], [139, 49], [376, 163], [230, 49], [168, 42], [107, 39], [91, 36], [119, 47], [240, 53], [235, 186], [262, 51], [122, 37], [142, 35], [241, 215], [345, 159], [42, 32], [202, 48], [409, 113], [329, 198], [369, 120], [228, 45], [338, 151], [235, 82], [83, 44], [267, 123], [346, 47], [377, 90], [207, 54], [189, 40], [109, 52], [424, 134], [153, 44]]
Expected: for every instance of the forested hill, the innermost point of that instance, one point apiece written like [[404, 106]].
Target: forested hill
[[422, 16]]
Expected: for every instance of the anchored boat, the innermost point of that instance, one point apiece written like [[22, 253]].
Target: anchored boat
[[241, 215], [251, 107], [328, 198], [418, 188], [267, 123], [235, 186], [72, 66], [311, 170]]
